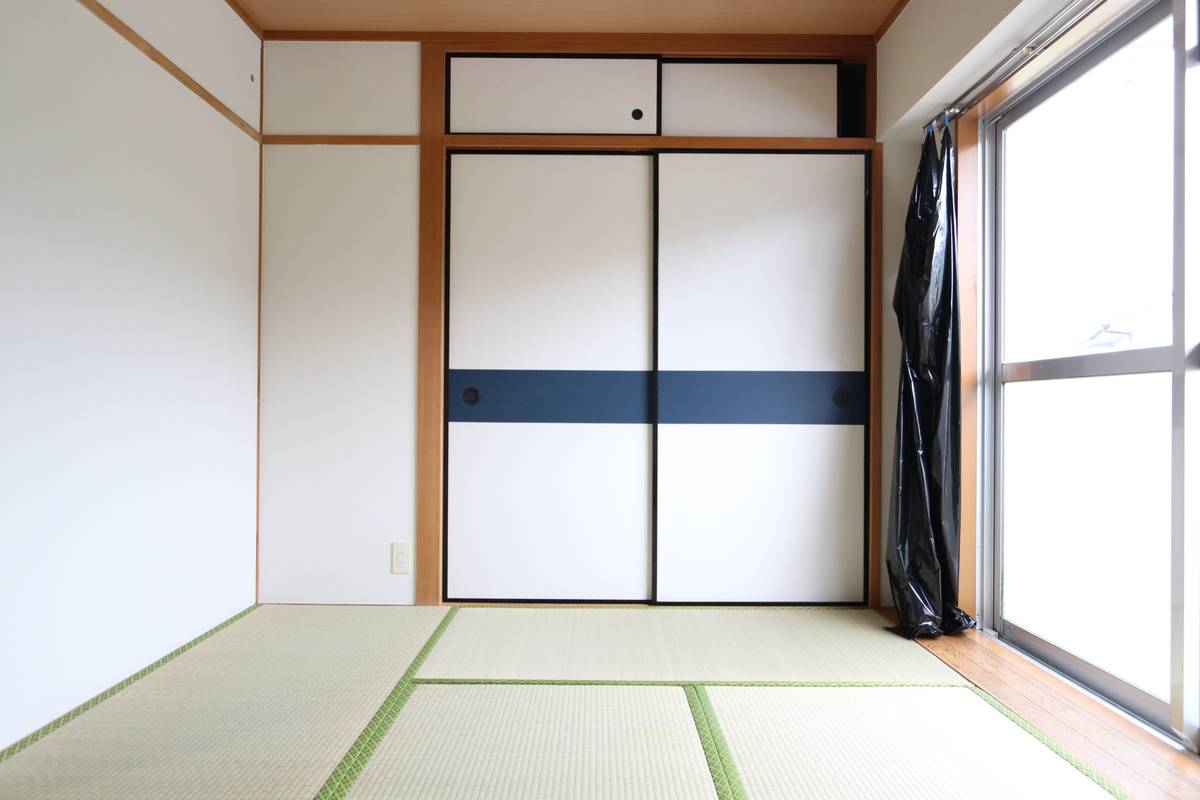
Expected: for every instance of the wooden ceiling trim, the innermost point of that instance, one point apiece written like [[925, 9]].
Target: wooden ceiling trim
[[886, 25], [246, 18], [860, 17], [669, 44], [646, 143]]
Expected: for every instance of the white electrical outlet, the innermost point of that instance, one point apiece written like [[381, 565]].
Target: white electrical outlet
[[401, 558]]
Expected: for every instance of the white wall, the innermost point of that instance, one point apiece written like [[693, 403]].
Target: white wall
[[936, 49], [899, 169], [342, 87], [207, 40], [338, 469], [128, 317], [339, 360]]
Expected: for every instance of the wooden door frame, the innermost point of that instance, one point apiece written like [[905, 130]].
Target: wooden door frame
[[434, 143]]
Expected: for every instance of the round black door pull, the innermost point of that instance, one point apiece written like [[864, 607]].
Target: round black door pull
[[471, 396], [637, 113], [841, 398]]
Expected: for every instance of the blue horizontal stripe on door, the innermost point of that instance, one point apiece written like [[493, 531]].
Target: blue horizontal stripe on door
[[726, 398], [514, 395], [762, 398]]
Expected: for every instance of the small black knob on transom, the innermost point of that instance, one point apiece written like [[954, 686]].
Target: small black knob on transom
[[637, 113], [471, 396]]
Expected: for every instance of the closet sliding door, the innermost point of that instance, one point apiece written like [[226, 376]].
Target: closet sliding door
[[548, 388], [762, 388]]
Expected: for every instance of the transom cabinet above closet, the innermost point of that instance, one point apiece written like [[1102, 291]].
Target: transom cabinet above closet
[[559, 94], [649, 94]]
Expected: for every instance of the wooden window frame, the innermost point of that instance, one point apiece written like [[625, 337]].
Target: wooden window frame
[[976, 274], [971, 267]]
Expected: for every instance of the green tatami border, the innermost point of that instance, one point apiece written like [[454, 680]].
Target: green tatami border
[[724, 772], [726, 779], [707, 716], [87, 705], [616, 682], [338, 785], [1062, 752]]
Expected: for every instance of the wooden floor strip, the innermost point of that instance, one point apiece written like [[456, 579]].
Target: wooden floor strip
[[1133, 757]]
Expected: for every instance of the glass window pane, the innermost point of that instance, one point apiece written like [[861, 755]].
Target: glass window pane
[[1087, 210], [1087, 520]]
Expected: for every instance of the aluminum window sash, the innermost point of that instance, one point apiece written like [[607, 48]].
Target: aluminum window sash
[[1181, 715], [1093, 365], [1142, 704], [1185, 386]]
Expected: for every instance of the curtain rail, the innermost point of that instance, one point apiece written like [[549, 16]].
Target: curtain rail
[[1033, 46]]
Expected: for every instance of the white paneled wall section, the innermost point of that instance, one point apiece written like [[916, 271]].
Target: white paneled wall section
[[369, 88], [761, 333], [339, 326], [128, 329], [208, 41], [550, 308], [536, 241], [769, 249], [509, 94], [726, 98]]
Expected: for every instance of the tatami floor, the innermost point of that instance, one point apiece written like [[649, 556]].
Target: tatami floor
[[556, 703]]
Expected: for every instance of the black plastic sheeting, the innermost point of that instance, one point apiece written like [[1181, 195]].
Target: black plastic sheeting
[[923, 535]]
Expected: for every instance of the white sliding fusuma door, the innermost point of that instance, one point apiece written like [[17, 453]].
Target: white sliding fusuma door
[[548, 388], [762, 388]]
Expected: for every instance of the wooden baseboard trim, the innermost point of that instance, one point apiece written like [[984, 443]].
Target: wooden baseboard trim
[[637, 142], [305, 138]]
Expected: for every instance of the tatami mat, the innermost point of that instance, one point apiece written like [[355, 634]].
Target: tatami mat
[[495, 742], [263, 709], [680, 644], [898, 743]]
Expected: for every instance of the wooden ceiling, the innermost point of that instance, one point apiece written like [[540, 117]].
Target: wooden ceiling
[[862, 17]]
